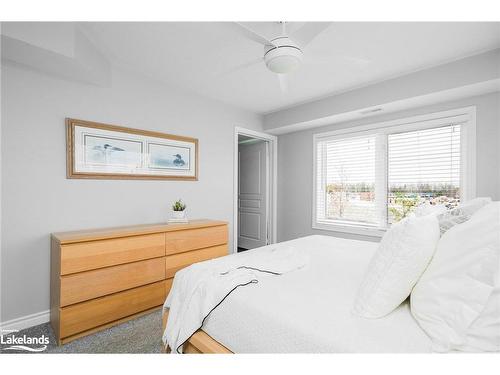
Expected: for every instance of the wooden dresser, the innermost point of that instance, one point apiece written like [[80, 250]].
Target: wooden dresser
[[100, 278]]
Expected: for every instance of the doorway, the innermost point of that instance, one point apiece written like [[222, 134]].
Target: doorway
[[254, 190]]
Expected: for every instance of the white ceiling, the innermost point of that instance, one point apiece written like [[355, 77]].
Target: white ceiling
[[202, 56]]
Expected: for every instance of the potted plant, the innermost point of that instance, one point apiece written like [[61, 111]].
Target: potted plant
[[178, 212]]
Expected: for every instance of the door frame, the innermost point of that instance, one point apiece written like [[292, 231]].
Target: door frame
[[272, 190]]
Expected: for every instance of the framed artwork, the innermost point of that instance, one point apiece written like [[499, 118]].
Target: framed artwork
[[104, 151]]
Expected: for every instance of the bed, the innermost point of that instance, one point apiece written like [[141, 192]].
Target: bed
[[309, 310]]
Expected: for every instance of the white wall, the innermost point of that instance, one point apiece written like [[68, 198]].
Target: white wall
[[472, 70], [37, 199], [295, 163]]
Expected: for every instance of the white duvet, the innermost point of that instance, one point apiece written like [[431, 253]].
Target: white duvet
[[200, 288], [309, 310]]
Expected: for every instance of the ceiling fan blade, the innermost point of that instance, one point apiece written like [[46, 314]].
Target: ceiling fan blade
[[283, 83], [308, 32], [360, 61], [321, 60], [242, 66], [250, 34]]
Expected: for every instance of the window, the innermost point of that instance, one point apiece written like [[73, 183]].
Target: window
[[369, 178], [423, 166], [346, 180]]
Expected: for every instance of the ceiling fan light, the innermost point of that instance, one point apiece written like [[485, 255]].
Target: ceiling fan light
[[284, 57], [283, 64]]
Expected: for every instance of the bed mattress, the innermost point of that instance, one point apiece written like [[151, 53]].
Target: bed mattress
[[309, 310]]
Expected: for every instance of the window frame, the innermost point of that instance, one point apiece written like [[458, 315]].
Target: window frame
[[464, 116]]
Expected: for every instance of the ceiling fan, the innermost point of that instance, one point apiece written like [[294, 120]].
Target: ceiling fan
[[283, 53]]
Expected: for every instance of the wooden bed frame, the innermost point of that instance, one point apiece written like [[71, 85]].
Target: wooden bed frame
[[199, 343]]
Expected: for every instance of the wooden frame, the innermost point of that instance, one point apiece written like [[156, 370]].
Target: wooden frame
[[70, 149], [199, 342]]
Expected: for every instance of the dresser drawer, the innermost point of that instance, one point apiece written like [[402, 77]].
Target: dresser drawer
[[83, 286], [178, 261], [88, 315], [191, 239], [97, 254]]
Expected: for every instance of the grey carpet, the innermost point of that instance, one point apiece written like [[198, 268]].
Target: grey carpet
[[140, 335]]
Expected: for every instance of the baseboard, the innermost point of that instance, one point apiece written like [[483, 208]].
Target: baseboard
[[26, 321]]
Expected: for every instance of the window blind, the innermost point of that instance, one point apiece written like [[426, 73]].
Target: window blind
[[346, 180], [379, 177], [423, 166]]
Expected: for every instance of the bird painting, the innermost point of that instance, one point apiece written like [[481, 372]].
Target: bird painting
[[107, 148], [178, 162], [105, 152]]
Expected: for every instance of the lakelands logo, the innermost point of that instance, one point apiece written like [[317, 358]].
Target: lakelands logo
[[37, 344]]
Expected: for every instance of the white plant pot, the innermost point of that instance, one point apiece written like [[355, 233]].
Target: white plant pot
[[179, 214]]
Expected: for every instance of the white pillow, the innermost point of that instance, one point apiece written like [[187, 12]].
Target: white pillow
[[472, 206], [426, 208], [450, 297], [402, 256], [461, 214], [484, 332]]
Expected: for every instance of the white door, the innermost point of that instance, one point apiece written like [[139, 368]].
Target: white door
[[252, 195]]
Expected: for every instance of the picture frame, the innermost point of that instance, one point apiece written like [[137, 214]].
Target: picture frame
[[103, 151]]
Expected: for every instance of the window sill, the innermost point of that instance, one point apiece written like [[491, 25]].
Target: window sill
[[351, 229]]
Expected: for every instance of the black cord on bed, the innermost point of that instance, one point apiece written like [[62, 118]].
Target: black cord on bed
[[252, 268], [253, 281]]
